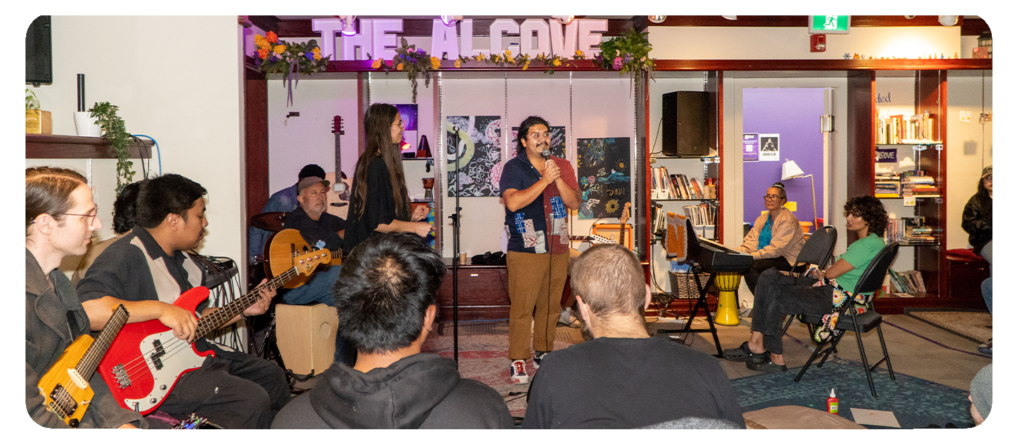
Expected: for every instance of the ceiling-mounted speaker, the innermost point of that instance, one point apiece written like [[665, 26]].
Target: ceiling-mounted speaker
[[687, 121]]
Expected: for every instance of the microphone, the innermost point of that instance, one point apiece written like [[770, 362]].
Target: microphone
[[546, 153]]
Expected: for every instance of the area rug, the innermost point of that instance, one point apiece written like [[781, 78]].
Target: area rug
[[483, 356], [976, 326], [916, 403]]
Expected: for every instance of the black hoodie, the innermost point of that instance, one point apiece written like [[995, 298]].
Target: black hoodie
[[419, 391]]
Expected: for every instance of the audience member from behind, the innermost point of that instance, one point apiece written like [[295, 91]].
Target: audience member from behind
[[124, 221], [386, 297], [995, 393], [613, 379]]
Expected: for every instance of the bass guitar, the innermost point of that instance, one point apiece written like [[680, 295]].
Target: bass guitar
[[145, 361], [283, 247], [65, 387]]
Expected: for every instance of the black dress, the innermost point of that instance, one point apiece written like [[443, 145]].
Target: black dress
[[378, 206]]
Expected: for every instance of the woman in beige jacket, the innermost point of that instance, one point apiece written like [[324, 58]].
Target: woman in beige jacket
[[775, 239]]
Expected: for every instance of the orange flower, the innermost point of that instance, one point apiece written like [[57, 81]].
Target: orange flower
[[316, 53], [400, 66], [435, 63], [458, 63], [279, 49], [527, 65], [376, 63], [263, 53], [557, 62], [272, 37]]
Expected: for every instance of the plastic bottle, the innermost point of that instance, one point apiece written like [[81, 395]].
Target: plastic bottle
[[833, 403]]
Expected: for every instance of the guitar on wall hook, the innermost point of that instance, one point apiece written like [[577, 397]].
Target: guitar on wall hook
[[338, 196]]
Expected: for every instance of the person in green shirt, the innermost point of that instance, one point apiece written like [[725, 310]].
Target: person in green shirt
[[780, 295]]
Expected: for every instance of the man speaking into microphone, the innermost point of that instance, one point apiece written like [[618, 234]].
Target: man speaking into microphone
[[537, 191]]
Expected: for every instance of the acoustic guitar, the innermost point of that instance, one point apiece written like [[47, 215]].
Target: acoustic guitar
[[145, 360], [285, 246], [65, 387], [339, 191]]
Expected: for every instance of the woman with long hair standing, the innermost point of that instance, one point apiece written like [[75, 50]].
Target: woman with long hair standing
[[60, 218], [380, 202]]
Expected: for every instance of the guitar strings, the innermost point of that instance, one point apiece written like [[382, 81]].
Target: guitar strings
[[64, 398], [145, 362]]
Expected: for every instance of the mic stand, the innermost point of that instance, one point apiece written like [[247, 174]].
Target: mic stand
[[455, 255]]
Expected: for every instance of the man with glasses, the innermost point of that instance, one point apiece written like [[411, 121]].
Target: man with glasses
[[537, 191], [315, 224], [775, 239]]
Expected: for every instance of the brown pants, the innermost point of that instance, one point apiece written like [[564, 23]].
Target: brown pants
[[536, 294]]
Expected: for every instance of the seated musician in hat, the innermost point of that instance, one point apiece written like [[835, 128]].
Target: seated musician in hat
[[316, 225], [285, 200]]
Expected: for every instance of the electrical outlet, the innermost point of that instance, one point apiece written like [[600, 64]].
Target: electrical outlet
[[965, 116]]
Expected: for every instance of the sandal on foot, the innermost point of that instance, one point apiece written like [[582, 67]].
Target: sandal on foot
[[742, 354], [765, 365]]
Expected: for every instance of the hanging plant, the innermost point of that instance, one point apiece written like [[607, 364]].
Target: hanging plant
[[115, 133], [629, 52], [275, 56]]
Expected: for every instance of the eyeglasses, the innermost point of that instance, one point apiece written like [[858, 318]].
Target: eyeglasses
[[92, 217], [988, 178], [771, 197]]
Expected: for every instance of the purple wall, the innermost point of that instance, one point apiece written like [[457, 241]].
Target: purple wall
[[795, 115]]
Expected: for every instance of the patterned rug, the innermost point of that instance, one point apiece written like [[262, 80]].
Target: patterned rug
[[483, 356], [976, 326], [916, 403]]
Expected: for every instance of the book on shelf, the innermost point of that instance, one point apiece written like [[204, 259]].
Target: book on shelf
[[907, 284], [665, 186], [697, 192], [916, 129]]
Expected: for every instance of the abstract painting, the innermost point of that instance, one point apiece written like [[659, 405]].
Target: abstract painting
[[604, 176], [473, 148]]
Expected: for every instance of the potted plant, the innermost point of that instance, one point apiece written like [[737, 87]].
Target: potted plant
[[36, 121], [119, 138]]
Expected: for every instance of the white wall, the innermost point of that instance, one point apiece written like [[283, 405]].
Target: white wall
[[192, 110], [789, 43]]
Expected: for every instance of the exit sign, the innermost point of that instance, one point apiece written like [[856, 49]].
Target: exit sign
[[829, 24]]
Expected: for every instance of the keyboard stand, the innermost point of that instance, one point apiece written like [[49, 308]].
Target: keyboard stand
[[702, 303]]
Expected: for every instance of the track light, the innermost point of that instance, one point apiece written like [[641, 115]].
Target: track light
[[349, 29], [948, 20], [450, 20], [564, 19], [657, 18]]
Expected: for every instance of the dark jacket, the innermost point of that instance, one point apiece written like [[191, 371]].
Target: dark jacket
[[419, 391], [978, 221], [48, 332]]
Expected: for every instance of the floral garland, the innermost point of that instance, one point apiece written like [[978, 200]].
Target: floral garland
[[274, 56], [414, 61], [629, 52]]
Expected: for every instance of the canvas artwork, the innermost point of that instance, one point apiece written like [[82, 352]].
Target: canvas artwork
[[473, 147], [604, 176], [409, 114]]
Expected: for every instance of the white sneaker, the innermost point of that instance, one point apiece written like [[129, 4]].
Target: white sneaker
[[539, 356], [518, 372]]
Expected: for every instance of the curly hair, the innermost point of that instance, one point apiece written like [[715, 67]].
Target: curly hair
[[871, 210]]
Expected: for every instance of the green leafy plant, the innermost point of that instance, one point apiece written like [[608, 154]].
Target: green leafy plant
[[629, 52], [411, 60], [31, 100], [119, 138], [506, 59]]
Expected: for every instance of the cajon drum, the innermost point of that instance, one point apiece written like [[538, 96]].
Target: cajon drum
[[305, 336]]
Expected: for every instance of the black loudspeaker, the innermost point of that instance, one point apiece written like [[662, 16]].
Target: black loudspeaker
[[39, 52], [687, 121]]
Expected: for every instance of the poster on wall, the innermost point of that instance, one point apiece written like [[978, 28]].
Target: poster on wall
[[768, 147], [409, 142], [750, 147], [473, 148], [604, 176]]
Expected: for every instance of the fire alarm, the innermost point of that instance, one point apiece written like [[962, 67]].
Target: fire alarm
[[817, 42]]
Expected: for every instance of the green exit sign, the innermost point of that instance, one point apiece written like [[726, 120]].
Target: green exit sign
[[829, 24]]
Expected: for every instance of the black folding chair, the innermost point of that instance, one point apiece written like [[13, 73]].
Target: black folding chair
[[817, 250], [869, 282]]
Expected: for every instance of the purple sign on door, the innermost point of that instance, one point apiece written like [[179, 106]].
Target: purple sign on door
[[750, 147]]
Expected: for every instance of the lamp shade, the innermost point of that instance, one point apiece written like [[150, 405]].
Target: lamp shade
[[791, 170]]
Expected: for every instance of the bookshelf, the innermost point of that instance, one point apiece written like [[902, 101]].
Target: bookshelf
[[898, 121]]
